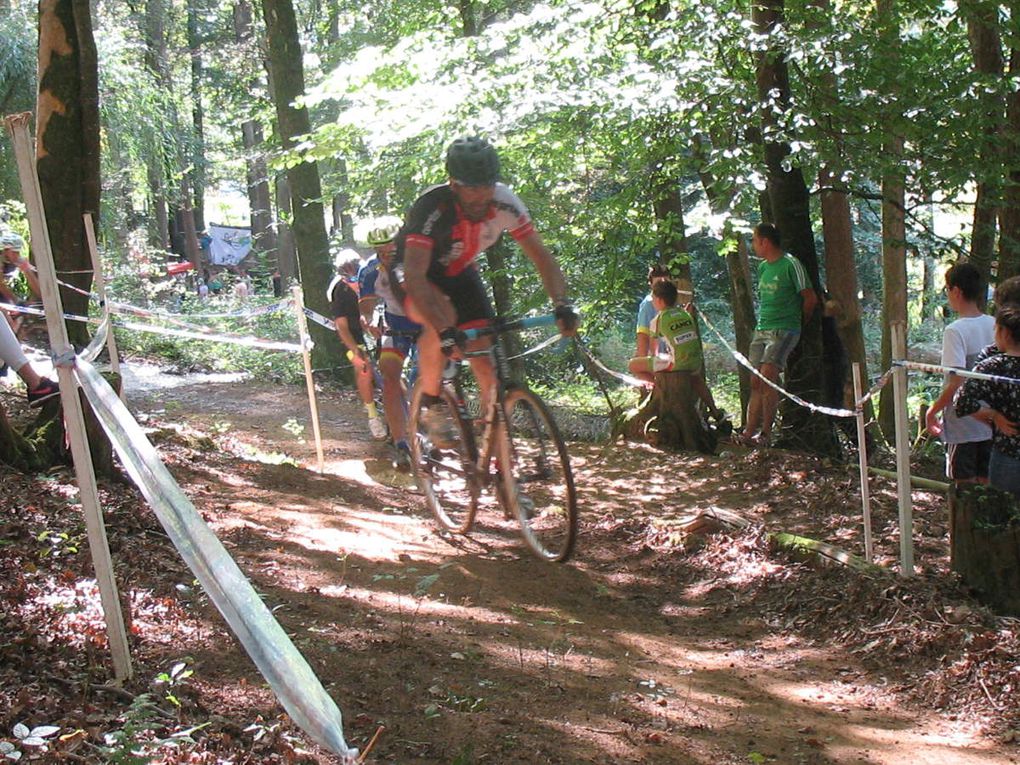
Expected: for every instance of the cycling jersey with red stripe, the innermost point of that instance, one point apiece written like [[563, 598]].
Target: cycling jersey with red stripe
[[437, 223]]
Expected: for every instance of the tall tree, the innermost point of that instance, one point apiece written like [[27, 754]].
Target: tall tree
[[197, 168], [67, 141], [154, 33], [288, 85], [789, 204], [986, 48], [894, 234], [263, 232], [1009, 219]]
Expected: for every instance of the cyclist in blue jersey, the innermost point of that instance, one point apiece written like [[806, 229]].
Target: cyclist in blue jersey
[[379, 283], [443, 234]]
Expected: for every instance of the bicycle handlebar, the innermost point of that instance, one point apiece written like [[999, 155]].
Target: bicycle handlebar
[[511, 325]]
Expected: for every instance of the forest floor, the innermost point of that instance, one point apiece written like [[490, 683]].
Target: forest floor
[[650, 646]]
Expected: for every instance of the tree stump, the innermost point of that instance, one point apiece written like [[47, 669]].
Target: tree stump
[[42, 444], [984, 542], [668, 417]]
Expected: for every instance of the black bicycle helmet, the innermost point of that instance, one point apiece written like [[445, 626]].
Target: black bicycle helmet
[[472, 162]]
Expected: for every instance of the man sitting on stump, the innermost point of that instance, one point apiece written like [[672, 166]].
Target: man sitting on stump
[[680, 349]]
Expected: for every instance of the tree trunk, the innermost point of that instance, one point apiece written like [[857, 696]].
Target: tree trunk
[[260, 202], [286, 252], [841, 272], [154, 33], [739, 268], [1009, 219], [669, 417], [197, 173], [263, 236], [669, 222], [497, 260], [929, 295], [67, 144], [789, 202], [288, 79], [984, 545], [894, 277], [986, 48]]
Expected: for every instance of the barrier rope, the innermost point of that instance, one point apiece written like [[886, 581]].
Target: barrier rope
[[742, 360], [633, 381], [937, 369]]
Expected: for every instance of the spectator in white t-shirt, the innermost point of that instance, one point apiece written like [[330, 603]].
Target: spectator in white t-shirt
[[968, 440]]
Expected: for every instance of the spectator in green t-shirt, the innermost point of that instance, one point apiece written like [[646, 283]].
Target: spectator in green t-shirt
[[680, 349], [786, 302]]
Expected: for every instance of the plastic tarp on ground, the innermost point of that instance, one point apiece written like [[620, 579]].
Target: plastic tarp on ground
[[285, 669]]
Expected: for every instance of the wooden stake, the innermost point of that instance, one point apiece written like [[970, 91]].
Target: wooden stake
[[99, 284], [899, 353], [63, 352], [302, 320], [862, 459]]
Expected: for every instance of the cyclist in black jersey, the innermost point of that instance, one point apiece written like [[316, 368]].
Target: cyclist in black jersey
[[443, 234]]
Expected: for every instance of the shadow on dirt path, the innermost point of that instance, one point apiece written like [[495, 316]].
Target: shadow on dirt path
[[468, 650]]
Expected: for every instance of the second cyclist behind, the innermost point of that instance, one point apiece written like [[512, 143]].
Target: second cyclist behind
[[378, 282]]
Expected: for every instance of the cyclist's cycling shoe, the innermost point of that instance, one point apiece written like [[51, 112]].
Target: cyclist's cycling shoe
[[402, 457], [377, 428], [441, 431]]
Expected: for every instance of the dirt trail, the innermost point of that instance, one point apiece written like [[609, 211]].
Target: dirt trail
[[628, 655]]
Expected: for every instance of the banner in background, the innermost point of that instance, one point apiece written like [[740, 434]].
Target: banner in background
[[230, 244]]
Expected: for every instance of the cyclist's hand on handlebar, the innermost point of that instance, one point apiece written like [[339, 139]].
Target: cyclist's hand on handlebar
[[567, 319], [452, 342]]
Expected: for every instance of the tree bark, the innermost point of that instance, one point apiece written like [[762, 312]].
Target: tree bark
[[894, 235], [67, 145], [986, 48], [497, 260], [260, 202], [286, 251], [984, 544], [288, 85], [739, 267], [197, 172], [669, 417], [789, 202], [841, 272], [155, 57], [1009, 219], [669, 221]]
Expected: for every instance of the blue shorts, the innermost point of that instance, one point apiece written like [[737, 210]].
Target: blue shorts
[[400, 335], [772, 346]]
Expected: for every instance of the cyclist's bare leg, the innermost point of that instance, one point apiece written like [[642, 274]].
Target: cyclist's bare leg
[[483, 370], [430, 356], [390, 367], [363, 380]]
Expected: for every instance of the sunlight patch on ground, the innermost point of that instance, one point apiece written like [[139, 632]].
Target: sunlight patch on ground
[[913, 746], [350, 470]]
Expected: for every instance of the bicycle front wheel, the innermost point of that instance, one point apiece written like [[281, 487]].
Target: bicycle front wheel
[[445, 467], [537, 484]]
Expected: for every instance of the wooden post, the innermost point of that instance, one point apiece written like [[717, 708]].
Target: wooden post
[[899, 353], [99, 283], [63, 353], [862, 458], [299, 307]]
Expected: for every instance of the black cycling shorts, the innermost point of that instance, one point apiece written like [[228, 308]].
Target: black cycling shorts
[[467, 292]]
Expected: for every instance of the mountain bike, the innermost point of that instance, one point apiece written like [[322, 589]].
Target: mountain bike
[[518, 453]]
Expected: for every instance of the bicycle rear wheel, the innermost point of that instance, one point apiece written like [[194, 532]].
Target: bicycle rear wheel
[[538, 486], [446, 473]]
